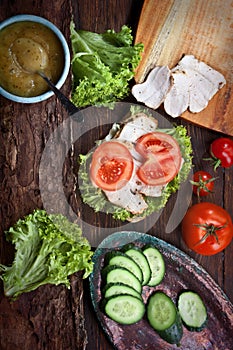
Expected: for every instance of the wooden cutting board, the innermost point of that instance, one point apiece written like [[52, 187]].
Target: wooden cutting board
[[203, 28]]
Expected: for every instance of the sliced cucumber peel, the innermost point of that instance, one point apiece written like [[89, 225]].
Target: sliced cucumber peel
[[137, 255], [192, 311], [163, 316], [121, 259], [124, 309], [156, 263]]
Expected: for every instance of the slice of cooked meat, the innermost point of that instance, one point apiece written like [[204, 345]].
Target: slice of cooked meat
[[204, 82], [194, 81], [190, 84], [177, 99], [150, 191], [136, 126], [127, 199], [153, 91], [189, 62]]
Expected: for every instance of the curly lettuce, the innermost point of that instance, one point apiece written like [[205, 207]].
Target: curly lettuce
[[102, 65], [49, 248]]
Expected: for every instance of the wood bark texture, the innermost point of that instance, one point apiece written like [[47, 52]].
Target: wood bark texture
[[51, 317]]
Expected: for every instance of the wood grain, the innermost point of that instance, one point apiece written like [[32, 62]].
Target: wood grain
[[53, 317], [37, 320], [170, 29]]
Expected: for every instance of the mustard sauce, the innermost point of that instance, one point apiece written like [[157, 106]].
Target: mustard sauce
[[25, 48]]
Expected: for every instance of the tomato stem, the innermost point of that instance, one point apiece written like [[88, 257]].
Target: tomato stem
[[202, 184], [214, 161], [210, 230]]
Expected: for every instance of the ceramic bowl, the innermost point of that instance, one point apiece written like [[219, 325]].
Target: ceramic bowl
[[65, 48]]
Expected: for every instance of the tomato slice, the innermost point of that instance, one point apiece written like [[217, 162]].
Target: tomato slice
[[111, 166], [162, 158]]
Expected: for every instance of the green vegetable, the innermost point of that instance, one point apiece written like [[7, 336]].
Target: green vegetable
[[121, 259], [156, 263], [164, 318], [96, 199], [192, 311], [124, 309], [120, 288], [115, 274], [137, 255], [102, 65], [49, 248], [117, 288]]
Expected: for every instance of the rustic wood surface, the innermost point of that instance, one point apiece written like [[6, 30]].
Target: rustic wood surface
[[53, 317], [191, 27]]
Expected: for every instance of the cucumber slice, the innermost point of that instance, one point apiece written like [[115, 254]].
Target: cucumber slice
[[192, 311], [124, 309], [156, 263], [161, 311], [164, 318], [114, 274], [137, 255], [112, 289], [121, 259]]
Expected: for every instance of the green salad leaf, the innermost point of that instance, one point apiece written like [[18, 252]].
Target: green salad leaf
[[49, 248], [102, 65], [96, 199]]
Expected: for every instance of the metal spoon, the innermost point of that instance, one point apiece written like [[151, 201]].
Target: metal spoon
[[66, 103], [32, 58]]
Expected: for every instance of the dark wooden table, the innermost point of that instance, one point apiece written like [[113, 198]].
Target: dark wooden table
[[53, 317]]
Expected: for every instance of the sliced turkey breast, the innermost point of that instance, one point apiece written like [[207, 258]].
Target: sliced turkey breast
[[136, 126], [127, 199], [194, 85], [177, 99], [191, 84], [153, 91]]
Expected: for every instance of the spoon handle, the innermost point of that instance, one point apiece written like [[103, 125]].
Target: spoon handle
[[69, 106]]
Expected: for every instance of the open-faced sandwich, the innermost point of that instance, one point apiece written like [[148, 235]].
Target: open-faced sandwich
[[134, 170]]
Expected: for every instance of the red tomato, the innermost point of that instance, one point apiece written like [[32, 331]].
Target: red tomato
[[111, 166], [222, 151], [207, 228], [162, 158], [203, 183]]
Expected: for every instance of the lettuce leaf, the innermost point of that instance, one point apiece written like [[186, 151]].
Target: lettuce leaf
[[102, 65], [49, 248], [96, 199]]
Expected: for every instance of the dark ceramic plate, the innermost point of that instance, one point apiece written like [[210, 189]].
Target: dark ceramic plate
[[182, 273]]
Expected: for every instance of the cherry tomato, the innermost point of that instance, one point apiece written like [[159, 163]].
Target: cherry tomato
[[203, 183], [111, 166], [207, 228], [162, 158], [221, 150]]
